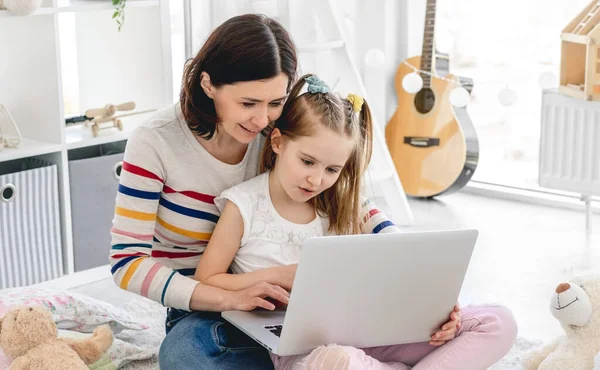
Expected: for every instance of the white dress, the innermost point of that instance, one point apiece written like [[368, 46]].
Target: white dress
[[269, 240]]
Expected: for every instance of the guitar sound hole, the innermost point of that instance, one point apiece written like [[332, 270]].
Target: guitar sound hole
[[424, 100]]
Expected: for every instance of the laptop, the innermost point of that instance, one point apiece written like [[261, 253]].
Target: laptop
[[366, 291]]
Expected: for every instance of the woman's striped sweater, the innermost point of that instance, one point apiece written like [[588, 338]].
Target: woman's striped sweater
[[164, 213]]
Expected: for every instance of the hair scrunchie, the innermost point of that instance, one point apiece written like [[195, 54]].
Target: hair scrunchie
[[316, 85], [356, 101]]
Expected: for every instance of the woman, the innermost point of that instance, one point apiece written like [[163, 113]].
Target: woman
[[176, 164]]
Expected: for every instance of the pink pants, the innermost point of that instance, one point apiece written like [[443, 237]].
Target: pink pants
[[486, 335]]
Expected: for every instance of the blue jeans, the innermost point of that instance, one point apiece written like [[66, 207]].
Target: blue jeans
[[203, 340]]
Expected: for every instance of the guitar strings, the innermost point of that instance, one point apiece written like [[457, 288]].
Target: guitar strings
[[456, 82]]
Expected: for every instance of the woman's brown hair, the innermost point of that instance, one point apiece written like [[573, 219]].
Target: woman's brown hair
[[248, 47], [301, 112]]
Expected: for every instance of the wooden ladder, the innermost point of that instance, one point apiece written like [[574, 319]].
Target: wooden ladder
[[587, 18], [326, 53], [323, 50]]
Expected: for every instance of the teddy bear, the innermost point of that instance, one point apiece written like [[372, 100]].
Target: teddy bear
[[21, 7], [28, 335], [576, 305]]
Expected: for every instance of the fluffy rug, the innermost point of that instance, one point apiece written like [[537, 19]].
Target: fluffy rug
[[513, 359]]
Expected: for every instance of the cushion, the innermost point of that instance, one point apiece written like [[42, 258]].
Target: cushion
[[70, 310], [76, 314]]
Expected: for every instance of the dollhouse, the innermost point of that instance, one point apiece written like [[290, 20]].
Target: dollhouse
[[580, 55]]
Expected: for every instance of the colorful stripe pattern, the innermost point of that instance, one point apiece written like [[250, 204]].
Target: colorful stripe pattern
[[149, 248], [161, 227], [374, 221]]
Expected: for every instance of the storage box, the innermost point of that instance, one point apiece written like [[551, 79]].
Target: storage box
[[30, 239], [94, 179]]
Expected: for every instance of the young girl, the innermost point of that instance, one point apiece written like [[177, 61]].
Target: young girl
[[313, 164]]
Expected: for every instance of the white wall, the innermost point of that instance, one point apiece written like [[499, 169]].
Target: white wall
[[381, 24]]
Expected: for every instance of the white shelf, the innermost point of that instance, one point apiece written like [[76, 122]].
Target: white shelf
[[29, 148], [95, 5], [65, 6], [81, 136], [82, 61]]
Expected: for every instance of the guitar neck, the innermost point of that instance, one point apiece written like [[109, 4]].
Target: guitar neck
[[427, 54]]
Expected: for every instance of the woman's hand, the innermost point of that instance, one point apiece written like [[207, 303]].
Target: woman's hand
[[448, 330], [252, 297]]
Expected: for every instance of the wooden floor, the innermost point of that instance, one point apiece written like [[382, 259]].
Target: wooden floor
[[523, 252]]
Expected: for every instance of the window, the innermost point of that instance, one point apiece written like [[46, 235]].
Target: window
[[509, 48]]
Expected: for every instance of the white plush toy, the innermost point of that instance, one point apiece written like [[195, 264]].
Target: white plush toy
[[21, 7], [576, 305]]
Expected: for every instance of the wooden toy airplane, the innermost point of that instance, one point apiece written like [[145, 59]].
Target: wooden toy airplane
[[97, 116]]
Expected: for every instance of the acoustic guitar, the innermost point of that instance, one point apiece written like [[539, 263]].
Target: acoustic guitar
[[433, 144]]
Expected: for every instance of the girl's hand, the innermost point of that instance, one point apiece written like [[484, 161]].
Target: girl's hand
[[448, 330], [255, 296], [283, 276]]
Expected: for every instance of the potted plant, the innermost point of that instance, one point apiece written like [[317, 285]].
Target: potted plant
[[119, 14]]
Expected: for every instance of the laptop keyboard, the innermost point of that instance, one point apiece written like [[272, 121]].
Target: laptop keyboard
[[275, 329]]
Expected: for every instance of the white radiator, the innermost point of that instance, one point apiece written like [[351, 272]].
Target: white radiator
[[570, 144]]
